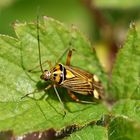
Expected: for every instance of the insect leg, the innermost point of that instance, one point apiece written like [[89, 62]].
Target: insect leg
[[43, 96], [69, 55], [26, 95], [54, 86], [48, 87], [35, 91], [77, 100]]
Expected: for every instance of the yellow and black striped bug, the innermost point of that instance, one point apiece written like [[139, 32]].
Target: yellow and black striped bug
[[72, 78]]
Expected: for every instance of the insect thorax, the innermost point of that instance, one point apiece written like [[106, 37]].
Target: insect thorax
[[60, 74]]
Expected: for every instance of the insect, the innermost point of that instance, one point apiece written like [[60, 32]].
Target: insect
[[74, 79]]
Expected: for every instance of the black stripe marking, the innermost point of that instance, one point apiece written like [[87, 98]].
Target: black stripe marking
[[61, 67], [54, 76], [64, 73], [61, 76], [60, 80]]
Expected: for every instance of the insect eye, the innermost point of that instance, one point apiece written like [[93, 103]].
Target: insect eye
[[55, 74]]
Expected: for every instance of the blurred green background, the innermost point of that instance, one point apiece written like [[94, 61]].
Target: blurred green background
[[104, 22]]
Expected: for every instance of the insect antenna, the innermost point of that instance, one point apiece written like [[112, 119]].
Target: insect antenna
[[38, 41], [40, 64]]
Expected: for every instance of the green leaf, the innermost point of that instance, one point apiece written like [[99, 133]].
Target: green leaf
[[121, 128], [126, 71], [19, 55], [128, 108], [90, 132]]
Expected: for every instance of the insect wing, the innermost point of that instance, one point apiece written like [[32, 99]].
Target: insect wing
[[80, 81]]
